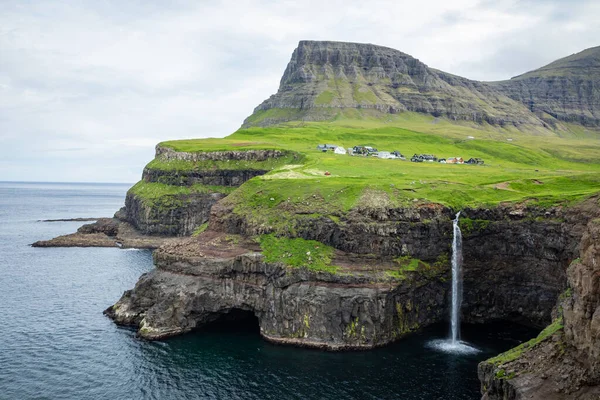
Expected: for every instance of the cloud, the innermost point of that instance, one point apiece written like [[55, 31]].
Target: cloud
[[111, 79]]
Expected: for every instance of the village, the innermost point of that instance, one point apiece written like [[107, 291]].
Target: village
[[368, 151]]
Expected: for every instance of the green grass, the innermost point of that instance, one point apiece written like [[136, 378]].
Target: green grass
[[325, 97], [518, 351], [200, 229], [362, 94], [275, 114], [160, 195], [546, 170], [406, 264], [297, 253], [409, 264], [543, 168], [468, 225]]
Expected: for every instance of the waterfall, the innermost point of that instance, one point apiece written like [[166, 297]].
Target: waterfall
[[453, 344], [456, 280]]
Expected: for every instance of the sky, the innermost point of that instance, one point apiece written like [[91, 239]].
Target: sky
[[88, 88]]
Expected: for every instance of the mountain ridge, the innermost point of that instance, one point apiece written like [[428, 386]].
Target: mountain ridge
[[326, 78]]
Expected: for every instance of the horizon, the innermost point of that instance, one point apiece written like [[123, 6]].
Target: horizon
[[72, 182]]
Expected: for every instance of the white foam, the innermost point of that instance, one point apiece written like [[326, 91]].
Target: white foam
[[448, 346]]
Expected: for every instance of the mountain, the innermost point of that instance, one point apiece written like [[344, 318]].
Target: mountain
[[325, 79], [567, 89]]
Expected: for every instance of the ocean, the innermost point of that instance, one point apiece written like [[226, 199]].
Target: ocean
[[56, 344]]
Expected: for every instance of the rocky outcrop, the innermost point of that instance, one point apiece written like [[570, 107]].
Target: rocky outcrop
[[206, 176], [566, 363], [168, 154], [582, 310], [177, 215], [325, 78], [201, 279], [106, 232], [214, 177]]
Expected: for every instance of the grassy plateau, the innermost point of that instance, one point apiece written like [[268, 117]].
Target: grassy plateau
[[548, 168]]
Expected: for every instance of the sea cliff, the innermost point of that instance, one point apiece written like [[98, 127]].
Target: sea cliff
[[563, 362], [387, 276]]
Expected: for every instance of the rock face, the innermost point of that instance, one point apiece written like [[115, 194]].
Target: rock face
[[323, 79], [188, 213], [181, 213], [168, 154], [565, 365], [202, 279], [567, 89], [514, 269], [217, 177], [582, 310], [515, 257]]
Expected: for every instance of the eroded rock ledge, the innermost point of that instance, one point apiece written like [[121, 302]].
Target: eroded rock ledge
[[200, 279], [106, 232]]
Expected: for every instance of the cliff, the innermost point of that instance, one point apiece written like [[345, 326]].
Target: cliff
[[515, 271], [178, 189], [566, 90], [215, 275], [564, 361], [324, 80]]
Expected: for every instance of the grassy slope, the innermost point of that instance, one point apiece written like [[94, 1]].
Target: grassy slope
[[548, 168]]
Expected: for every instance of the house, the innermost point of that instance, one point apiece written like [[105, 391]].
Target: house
[[424, 157], [326, 147], [385, 154], [474, 161], [364, 150], [455, 160], [398, 155], [339, 150]]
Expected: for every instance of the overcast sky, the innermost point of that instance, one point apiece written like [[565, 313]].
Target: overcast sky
[[87, 88]]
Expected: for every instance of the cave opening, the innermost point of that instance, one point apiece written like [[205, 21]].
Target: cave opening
[[232, 320]]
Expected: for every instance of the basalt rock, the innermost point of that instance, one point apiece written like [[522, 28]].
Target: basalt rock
[[514, 269], [515, 256], [198, 280], [217, 177], [180, 218], [106, 232], [565, 365], [168, 154], [567, 89]]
